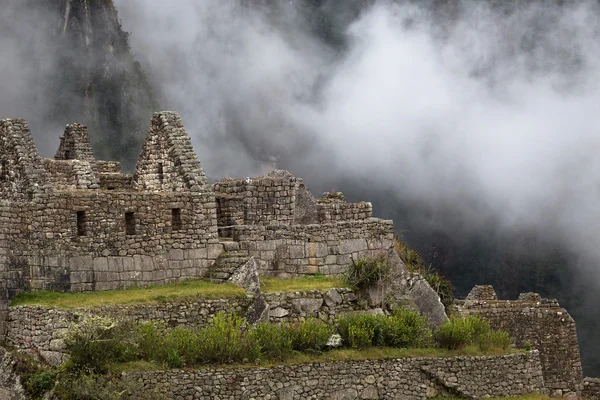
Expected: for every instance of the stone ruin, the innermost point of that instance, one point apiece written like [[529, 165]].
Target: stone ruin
[[538, 323], [74, 223]]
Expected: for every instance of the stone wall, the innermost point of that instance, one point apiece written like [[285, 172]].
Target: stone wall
[[257, 201], [591, 389], [75, 144], [545, 326], [71, 174], [22, 175], [307, 249], [84, 241], [297, 306], [44, 328], [410, 378], [342, 211], [168, 161]]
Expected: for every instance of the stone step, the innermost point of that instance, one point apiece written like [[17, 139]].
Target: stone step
[[230, 246]]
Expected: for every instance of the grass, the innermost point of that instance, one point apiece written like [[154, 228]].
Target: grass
[[150, 295], [315, 282], [371, 353], [170, 292]]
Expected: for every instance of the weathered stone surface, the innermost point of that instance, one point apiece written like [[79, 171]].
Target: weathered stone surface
[[482, 292], [10, 386], [278, 313], [370, 393], [591, 389], [308, 306], [405, 286], [247, 277], [333, 298]]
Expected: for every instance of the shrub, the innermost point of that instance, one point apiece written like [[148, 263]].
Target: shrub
[[95, 387], [404, 328], [407, 328], [460, 332], [494, 340], [367, 272], [276, 341], [183, 348], [40, 383], [226, 339], [362, 330], [150, 341], [311, 334], [97, 342], [453, 334]]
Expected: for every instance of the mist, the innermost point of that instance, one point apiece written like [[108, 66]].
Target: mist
[[479, 114], [487, 107]]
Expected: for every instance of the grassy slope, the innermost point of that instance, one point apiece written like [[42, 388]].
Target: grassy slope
[[149, 295], [170, 292], [371, 353]]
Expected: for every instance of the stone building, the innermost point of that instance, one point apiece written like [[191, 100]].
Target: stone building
[[74, 223]]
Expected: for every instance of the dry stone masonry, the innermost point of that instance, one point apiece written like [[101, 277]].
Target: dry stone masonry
[[73, 223], [408, 378], [540, 323]]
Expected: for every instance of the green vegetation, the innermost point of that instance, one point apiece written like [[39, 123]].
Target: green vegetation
[[404, 328], [314, 282], [152, 294], [367, 272], [189, 290], [458, 333], [101, 348]]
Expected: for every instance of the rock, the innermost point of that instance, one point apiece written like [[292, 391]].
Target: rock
[[333, 298], [346, 394], [247, 277], [307, 306], [278, 312], [370, 393]]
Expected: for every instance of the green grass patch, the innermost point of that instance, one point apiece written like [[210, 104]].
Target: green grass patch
[[304, 284], [150, 295], [345, 354]]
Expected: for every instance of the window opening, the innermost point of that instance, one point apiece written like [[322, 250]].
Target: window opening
[[3, 170], [161, 174], [176, 219], [67, 154], [130, 223], [81, 223]]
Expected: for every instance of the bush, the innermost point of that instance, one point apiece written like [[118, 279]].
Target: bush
[[494, 340], [404, 328], [226, 339], [460, 332], [97, 342], [407, 328], [183, 348], [96, 387], [367, 272], [39, 383], [311, 334], [362, 330], [276, 341]]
